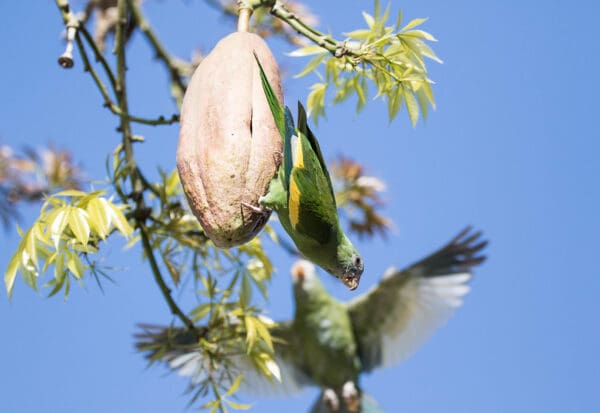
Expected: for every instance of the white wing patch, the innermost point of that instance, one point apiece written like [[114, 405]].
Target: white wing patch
[[194, 366], [428, 303]]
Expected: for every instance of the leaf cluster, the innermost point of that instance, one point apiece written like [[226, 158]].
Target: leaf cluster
[[390, 57], [69, 228]]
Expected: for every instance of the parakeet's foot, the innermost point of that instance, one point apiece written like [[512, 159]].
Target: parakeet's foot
[[331, 401], [351, 397], [262, 210], [258, 209]]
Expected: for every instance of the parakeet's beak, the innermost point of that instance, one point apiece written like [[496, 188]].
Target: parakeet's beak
[[351, 281]]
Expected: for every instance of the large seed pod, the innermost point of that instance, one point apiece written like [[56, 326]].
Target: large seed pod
[[229, 146]]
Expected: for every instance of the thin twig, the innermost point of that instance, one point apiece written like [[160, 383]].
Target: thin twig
[[327, 42], [71, 21], [177, 82], [165, 290], [108, 103]]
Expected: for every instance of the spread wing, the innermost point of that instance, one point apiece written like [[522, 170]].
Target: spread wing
[[395, 317], [179, 350]]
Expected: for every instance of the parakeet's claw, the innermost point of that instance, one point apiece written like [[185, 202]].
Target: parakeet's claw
[[258, 209], [331, 401], [262, 210], [351, 397]]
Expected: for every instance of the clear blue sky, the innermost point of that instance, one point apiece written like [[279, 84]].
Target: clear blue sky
[[512, 149]]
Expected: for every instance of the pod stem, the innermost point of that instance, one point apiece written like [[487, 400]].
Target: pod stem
[[244, 19]]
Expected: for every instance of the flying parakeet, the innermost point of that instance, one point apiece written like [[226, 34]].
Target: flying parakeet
[[330, 344], [303, 197]]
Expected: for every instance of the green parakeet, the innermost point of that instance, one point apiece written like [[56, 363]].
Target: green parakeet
[[303, 197], [330, 344]]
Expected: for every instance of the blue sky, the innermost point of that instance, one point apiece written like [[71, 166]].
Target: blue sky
[[511, 149]]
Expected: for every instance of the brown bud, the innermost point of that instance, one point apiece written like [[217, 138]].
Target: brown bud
[[229, 146]]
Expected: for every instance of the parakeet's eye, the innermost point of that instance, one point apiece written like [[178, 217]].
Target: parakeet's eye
[[357, 261]]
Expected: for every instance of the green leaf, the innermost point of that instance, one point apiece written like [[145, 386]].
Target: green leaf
[[245, 292], [99, 218], [59, 267], [420, 34], [78, 223], [30, 245], [395, 100], [11, 273], [172, 184], [172, 268], [312, 65], [398, 20], [263, 333], [316, 100], [419, 48], [307, 51], [423, 102], [361, 93], [413, 23], [235, 385], [57, 221], [369, 19], [411, 105], [362, 34], [119, 220], [250, 325], [74, 264], [201, 311], [238, 406], [429, 93], [71, 193], [29, 275]]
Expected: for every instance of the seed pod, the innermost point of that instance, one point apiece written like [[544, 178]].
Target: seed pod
[[229, 146]]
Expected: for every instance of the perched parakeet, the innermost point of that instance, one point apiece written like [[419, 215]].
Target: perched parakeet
[[330, 344], [303, 197]]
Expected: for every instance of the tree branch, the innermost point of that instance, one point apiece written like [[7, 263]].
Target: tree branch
[[177, 84], [72, 22], [165, 290], [338, 49]]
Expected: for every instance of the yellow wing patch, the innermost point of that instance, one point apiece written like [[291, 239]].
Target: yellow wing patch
[[297, 152], [294, 203], [294, 198]]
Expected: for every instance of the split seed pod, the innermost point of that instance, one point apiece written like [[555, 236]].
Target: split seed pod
[[229, 146]]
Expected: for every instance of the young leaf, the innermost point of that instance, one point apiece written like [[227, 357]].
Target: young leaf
[[411, 105], [312, 65], [78, 223], [11, 273], [413, 23]]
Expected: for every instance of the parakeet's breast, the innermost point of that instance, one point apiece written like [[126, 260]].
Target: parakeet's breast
[[329, 345]]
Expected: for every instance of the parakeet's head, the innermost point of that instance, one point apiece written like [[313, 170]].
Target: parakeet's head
[[349, 265], [304, 276]]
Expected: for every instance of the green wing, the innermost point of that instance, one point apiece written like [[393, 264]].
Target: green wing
[[284, 121], [312, 139], [395, 317], [304, 176], [311, 204], [178, 349]]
